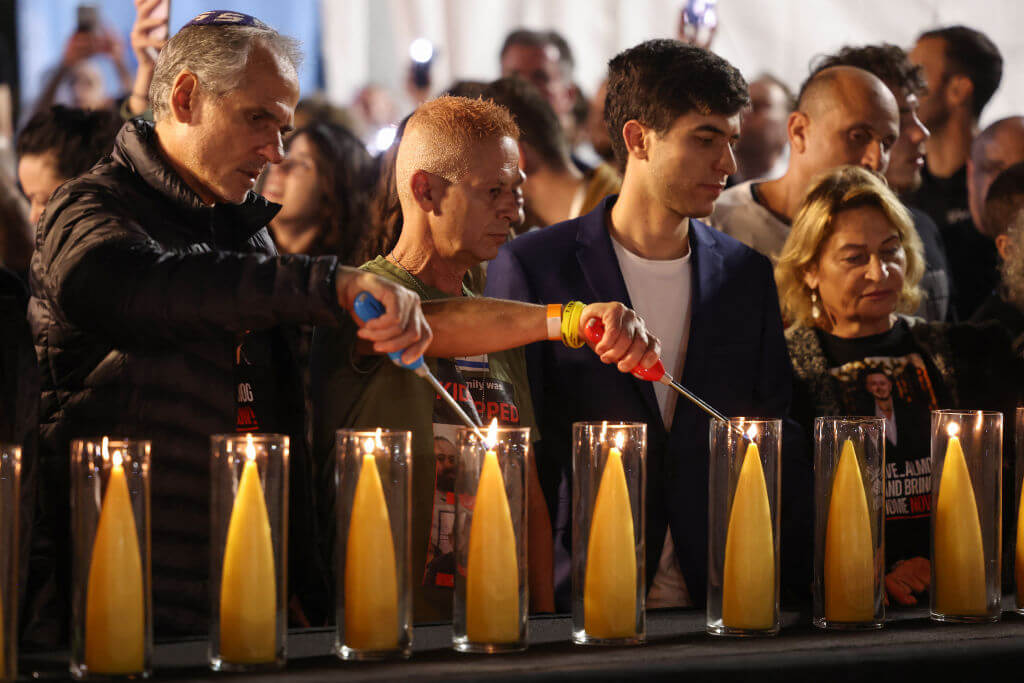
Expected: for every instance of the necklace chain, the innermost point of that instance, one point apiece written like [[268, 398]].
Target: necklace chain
[[415, 281]]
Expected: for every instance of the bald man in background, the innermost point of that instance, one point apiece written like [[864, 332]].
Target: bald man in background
[[970, 246], [891, 64], [844, 115], [457, 175]]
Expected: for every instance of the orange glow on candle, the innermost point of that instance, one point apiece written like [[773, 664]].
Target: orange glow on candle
[[609, 585], [492, 569], [959, 557], [248, 594], [849, 553], [748, 582], [115, 622], [371, 583]]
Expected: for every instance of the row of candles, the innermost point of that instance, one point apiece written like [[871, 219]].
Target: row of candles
[[112, 629]]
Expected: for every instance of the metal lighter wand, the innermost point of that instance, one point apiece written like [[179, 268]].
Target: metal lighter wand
[[656, 373], [366, 308]]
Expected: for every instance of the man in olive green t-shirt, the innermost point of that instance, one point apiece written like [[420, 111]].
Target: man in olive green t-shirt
[[457, 172]]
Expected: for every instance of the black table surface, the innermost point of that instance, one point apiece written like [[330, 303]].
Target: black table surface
[[909, 647]]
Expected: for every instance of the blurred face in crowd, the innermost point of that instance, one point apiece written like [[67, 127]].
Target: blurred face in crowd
[[879, 386], [688, 164], [375, 106], [907, 158], [539, 65], [855, 122], [596, 128], [87, 89], [38, 176], [859, 271], [764, 125], [992, 153], [232, 138], [474, 215], [930, 54], [295, 184]]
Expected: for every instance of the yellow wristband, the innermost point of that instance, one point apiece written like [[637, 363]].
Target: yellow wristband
[[571, 324], [554, 315]]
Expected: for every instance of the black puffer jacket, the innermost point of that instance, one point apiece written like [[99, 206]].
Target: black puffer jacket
[[139, 293]]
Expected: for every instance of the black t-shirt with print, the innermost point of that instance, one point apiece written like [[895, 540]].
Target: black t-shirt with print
[[886, 375]]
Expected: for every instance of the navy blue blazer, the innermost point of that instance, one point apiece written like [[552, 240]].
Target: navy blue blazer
[[736, 359]]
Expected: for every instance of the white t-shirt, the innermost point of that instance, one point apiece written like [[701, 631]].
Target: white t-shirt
[[661, 292], [738, 215]]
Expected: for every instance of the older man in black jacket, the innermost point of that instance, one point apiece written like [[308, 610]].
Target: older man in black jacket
[[157, 296]]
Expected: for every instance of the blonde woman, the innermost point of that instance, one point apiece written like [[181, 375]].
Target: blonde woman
[[847, 276]]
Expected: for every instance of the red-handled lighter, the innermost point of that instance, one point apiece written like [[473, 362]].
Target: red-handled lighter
[[656, 373]]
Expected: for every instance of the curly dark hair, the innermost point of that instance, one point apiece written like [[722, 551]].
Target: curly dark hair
[[886, 61], [972, 54], [77, 138], [658, 81], [347, 173]]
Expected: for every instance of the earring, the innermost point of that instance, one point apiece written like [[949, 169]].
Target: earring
[[815, 311]]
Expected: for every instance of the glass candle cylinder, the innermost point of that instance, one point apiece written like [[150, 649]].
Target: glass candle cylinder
[[849, 522], [1018, 560], [608, 494], [374, 606], [491, 589], [10, 477], [112, 617], [743, 527], [967, 456], [248, 551]]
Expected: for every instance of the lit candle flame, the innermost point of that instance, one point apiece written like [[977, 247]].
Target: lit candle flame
[[250, 449], [620, 439], [116, 458], [953, 429], [492, 434], [752, 432], [368, 446]]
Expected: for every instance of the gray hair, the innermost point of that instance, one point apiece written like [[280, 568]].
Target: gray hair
[[217, 55], [1012, 269]]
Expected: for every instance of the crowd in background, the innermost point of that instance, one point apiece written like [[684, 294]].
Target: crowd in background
[[895, 226]]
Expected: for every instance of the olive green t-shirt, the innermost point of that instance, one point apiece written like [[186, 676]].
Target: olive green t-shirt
[[370, 391]]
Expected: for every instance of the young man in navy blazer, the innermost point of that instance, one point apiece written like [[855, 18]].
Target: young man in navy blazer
[[674, 113]]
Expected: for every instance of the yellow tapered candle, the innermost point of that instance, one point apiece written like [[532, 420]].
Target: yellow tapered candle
[[609, 586], [1019, 559], [3, 643], [959, 558], [115, 605], [748, 583], [248, 594], [849, 553], [371, 585], [492, 570]]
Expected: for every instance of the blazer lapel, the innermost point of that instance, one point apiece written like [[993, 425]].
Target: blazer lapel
[[600, 268], [706, 263]]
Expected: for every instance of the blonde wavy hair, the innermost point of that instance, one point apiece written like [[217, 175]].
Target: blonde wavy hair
[[838, 190]]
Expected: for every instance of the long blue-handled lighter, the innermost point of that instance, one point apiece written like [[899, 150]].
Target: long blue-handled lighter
[[367, 308]]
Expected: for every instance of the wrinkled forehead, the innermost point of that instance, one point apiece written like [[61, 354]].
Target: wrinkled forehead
[[493, 160], [270, 82]]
